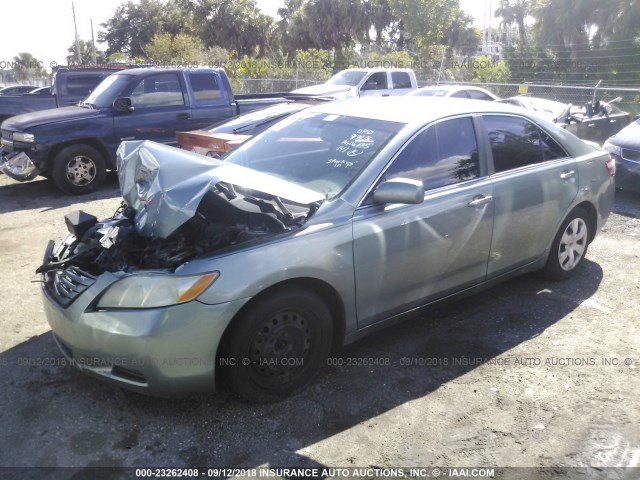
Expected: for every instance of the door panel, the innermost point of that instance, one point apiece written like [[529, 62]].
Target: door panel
[[159, 110], [530, 203], [407, 255], [534, 185]]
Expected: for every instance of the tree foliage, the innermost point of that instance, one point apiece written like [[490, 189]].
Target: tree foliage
[[180, 49], [86, 54], [27, 67], [574, 42]]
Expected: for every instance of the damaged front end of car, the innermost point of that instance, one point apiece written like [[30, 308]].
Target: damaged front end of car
[[178, 206]]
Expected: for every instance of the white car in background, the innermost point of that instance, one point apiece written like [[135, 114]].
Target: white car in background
[[455, 91]]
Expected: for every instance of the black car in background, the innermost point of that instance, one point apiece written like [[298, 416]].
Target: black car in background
[[17, 89], [593, 121], [624, 147]]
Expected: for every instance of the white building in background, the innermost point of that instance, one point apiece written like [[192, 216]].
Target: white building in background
[[491, 48]]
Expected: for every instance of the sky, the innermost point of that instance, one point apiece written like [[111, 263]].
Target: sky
[[45, 28]]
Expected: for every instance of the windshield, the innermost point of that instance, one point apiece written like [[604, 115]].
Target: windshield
[[319, 151], [108, 90], [347, 77]]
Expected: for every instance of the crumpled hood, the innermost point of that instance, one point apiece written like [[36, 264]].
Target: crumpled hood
[[44, 117], [164, 185], [325, 89]]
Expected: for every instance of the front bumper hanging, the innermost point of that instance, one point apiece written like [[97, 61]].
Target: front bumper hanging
[[18, 166]]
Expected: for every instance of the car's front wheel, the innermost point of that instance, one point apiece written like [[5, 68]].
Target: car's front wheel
[[277, 346], [569, 246], [78, 169]]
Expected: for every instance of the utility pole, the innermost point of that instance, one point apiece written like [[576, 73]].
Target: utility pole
[[93, 45], [79, 58]]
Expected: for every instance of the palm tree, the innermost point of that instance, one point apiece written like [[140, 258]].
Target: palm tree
[[515, 11]]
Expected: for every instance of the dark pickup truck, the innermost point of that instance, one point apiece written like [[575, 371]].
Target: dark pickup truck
[[69, 86], [75, 146]]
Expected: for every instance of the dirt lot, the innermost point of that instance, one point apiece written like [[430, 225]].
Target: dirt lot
[[529, 374]]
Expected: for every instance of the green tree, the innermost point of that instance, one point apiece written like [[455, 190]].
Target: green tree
[[381, 18], [86, 54], [132, 26], [485, 70], [334, 25], [515, 11], [27, 68], [422, 23], [237, 26], [180, 49]]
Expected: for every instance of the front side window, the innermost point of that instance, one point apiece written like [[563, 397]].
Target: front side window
[[158, 91], [517, 142], [377, 81], [444, 154]]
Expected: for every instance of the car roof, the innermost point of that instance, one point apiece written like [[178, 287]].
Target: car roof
[[404, 109]]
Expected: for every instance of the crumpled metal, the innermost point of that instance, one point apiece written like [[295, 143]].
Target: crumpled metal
[[165, 185]]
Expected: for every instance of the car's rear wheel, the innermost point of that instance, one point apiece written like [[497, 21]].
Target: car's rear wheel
[[78, 169], [277, 346], [569, 246]]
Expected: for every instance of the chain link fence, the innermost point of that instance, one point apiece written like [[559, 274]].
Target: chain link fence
[[266, 85], [629, 97], [576, 95]]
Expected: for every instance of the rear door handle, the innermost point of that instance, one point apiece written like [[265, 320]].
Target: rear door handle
[[183, 116], [478, 201], [567, 175]]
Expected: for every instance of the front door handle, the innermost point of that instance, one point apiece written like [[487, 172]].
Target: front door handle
[[183, 116], [567, 175], [480, 200]]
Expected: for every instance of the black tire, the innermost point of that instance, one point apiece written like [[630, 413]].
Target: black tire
[[277, 346], [78, 169], [569, 246]]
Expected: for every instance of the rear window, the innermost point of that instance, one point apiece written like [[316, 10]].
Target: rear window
[[79, 85]]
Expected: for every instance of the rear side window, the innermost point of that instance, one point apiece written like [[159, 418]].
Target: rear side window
[[400, 80], [550, 148], [516, 142], [443, 154], [204, 86]]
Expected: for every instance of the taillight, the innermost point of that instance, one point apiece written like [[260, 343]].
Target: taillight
[[611, 166]]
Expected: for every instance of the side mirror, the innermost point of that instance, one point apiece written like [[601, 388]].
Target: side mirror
[[399, 190], [123, 104]]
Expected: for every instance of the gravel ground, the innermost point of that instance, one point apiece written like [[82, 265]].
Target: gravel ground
[[528, 374]]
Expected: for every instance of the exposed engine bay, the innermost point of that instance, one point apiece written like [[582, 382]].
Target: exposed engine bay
[[226, 216], [177, 206]]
